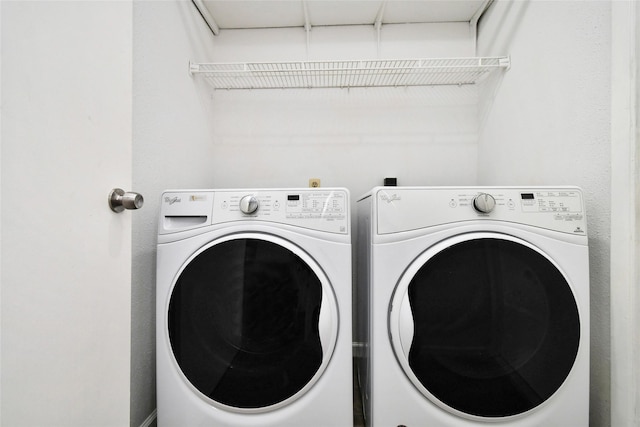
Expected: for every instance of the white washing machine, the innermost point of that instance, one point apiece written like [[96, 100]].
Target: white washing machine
[[254, 308], [474, 306]]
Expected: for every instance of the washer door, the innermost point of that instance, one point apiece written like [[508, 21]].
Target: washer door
[[485, 325], [252, 322]]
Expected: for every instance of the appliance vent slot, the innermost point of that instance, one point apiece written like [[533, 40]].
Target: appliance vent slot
[[174, 222]]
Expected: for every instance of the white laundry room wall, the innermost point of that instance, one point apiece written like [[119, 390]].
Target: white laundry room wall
[[346, 137], [547, 122], [172, 149]]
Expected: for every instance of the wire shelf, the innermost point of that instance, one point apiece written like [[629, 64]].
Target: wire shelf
[[349, 74]]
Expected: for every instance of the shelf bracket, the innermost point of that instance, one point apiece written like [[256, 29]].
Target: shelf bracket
[[505, 62], [378, 25], [307, 25], [193, 68]]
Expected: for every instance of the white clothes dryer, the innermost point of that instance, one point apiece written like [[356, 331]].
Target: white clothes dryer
[[254, 308], [474, 306]]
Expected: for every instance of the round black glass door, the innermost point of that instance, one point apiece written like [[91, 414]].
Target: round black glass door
[[243, 323], [496, 327]]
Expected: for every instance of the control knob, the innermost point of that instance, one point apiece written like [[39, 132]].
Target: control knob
[[249, 204], [484, 203]]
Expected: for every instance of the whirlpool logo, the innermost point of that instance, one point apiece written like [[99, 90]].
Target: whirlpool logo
[[390, 198], [172, 200]]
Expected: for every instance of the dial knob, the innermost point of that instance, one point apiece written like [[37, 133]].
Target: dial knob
[[484, 203], [249, 204]]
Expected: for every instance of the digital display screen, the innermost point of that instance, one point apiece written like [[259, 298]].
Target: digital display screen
[[293, 197], [527, 196]]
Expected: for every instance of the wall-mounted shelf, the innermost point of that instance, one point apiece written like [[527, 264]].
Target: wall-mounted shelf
[[349, 74]]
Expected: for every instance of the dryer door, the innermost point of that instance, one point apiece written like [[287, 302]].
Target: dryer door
[[252, 322], [485, 325]]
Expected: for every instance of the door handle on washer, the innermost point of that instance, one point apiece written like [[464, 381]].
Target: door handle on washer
[[119, 200]]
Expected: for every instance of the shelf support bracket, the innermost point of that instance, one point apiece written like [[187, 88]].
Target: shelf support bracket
[[505, 62], [378, 25], [193, 68], [307, 25]]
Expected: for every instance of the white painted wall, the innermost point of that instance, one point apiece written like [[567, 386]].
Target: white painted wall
[[345, 137], [172, 148], [547, 121], [66, 258]]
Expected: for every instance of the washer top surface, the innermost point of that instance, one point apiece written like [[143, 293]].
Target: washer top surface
[[320, 209], [400, 209]]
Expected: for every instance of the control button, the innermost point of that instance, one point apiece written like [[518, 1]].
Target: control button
[[453, 203], [511, 204], [484, 203], [249, 204]]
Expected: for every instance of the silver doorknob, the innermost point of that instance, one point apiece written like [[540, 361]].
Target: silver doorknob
[[119, 200]]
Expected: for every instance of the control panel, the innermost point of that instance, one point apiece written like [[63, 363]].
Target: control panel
[[318, 209], [410, 208]]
